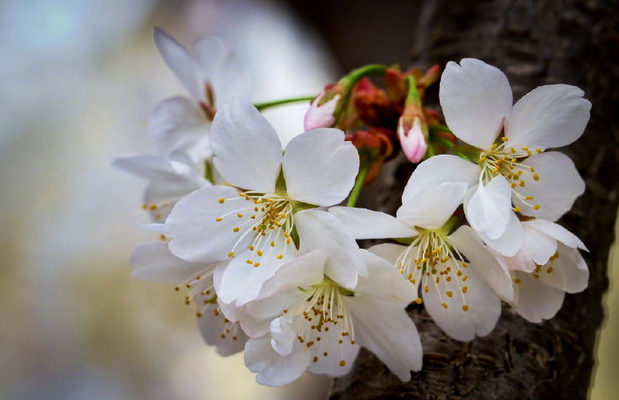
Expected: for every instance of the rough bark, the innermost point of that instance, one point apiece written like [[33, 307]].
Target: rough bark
[[535, 42]]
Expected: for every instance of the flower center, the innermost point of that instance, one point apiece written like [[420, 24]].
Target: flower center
[[265, 222], [323, 323], [506, 161], [432, 263]]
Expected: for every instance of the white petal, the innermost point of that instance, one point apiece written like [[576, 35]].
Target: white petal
[[556, 190], [384, 282], [320, 167], [241, 282], [437, 170], [535, 301], [154, 227], [247, 151], [540, 247], [391, 252], [154, 262], [165, 192], [319, 230], [569, 271], [556, 231], [283, 335], [231, 311], [303, 271], [223, 69], [434, 207], [168, 179], [548, 116], [511, 241], [368, 224], [481, 317], [195, 234], [178, 124], [282, 291], [336, 353], [492, 269], [489, 208], [520, 262], [475, 98], [259, 313], [149, 167], [273, 369], [213, 325], [179, 61], [537, 249], [388, 251], [386, 330]]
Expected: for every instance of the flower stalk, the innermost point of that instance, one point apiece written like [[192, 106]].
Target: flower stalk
[[364, 169], [276, 103]]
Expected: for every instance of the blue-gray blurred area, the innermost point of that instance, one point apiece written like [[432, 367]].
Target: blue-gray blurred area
[[79, 79]]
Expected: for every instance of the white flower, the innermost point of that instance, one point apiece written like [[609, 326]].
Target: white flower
[[459, 278], [169, 179], [271, 205], [476, 100], [304, 319], [212, 76], [548, 266], [154, 262]]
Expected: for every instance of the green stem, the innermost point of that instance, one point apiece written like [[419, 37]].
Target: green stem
[[367, 70], [270, 104], [349, 81], [413, 98], [356, 190], [447, 143], [439, 128], [431, 152]]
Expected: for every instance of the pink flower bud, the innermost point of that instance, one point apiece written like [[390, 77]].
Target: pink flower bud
[[321, 115], [412, 139]]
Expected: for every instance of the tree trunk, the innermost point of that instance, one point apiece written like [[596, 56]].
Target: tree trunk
[[534, 42]]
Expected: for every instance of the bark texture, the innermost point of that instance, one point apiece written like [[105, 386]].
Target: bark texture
[[534, 42]]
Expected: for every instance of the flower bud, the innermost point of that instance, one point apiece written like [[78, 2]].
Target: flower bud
[[413, 135], [323, 109]]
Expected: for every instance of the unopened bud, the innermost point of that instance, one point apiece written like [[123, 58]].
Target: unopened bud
[[412, 138], [322, 110]]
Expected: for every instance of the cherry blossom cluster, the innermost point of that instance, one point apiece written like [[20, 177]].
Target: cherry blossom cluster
[[254, 235]]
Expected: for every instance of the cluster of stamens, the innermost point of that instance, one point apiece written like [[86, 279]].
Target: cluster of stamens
[[324, 313], [505, 161], [539, 269], [267, 219], [430, 263], [157, 210], [202, 292]]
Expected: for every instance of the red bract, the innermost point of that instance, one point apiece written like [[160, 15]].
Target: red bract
[[375, 146]]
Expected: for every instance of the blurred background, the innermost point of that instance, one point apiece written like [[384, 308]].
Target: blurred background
[[79, 80]]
